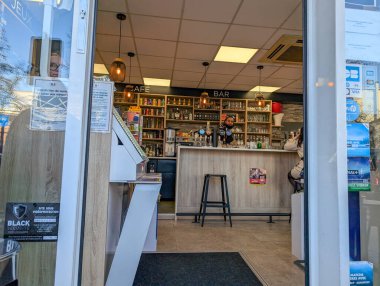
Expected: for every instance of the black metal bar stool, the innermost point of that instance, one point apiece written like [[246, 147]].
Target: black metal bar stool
[[225, 203]]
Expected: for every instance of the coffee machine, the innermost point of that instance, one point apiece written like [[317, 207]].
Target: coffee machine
[[169, 148]]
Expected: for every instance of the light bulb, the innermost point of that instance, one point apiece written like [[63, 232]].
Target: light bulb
[[204, 100], [118, 70], [129, 94]]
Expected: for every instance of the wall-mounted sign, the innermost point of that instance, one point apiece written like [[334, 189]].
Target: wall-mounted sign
[[31, 221], [101, 112], [354, 84], [358, 140], [361, 273], [4, 120], [257, 176], [49, 105], [359, 174]]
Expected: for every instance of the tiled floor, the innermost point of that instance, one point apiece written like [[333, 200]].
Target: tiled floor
[[267, 247]]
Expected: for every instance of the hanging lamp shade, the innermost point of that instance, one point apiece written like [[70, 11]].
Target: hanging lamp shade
[[204, 98], [118, 68], [129, 95], [259, 96]]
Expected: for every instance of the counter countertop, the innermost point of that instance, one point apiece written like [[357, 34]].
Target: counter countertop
[[163, 158], [235, 149]]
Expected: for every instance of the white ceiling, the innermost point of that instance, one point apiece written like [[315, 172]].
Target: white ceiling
[[171, 39]]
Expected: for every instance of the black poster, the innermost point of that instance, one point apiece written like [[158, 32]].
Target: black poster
[[31, 221]]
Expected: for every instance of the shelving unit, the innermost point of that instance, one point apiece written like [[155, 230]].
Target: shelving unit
[[162, 111]]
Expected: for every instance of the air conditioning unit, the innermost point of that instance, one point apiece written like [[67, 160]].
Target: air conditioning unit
[[287, 50]]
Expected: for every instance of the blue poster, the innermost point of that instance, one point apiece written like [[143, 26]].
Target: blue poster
[[361, 273], [354, 85], [358, 140], [352, 109], [4, 120], [359, 174]]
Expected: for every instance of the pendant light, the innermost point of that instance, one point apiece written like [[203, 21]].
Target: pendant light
[[259, 97], [128, 90], [118, 69], [204, 99]]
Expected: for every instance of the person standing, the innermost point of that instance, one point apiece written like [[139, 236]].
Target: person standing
[[296, 144]]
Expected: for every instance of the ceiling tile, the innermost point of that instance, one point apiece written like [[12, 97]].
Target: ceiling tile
[[196, 51], [256, 58], [108, 58], [251, 70], [218, 78], [246, 80], [107, 23], [276, 82], [137, 80], [156, 62], [212, 85], [294, 22], [155, 47], [241, 87], [188, 65], [225, 68], [110, 43], [185, 83], [156, 73], [188, 76], [155, 28], [278, 35], [202, 32], [288, 73], [205, 10], [112, 5], [296, 84], [162, 8], [247, 37], [268, 13]]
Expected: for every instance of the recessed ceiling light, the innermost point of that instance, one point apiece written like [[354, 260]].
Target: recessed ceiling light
[[100, 69], [156, 81], [265, 88], [234, 54]]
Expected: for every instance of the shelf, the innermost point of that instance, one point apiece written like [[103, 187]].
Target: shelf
[[277, 139], [258, 122], [212, 110], [178, 105], [258, 133], [155, 116], [125, 103], [258, 111], [153, 129], [191, 121], [238, 132], [239, 122], [153, 139], [233, 110], [277, 126], [152, 106]]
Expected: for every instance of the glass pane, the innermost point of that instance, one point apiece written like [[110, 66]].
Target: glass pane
[[363, 141], [35, 46]]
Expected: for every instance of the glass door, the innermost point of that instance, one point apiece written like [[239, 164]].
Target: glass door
[[43, 111]]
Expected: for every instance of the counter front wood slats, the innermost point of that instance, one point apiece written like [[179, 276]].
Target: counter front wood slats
[[273, 197]]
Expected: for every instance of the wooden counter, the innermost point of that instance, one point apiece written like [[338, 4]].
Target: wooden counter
[[273, 197]]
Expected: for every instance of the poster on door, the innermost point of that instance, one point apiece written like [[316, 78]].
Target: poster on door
[[361, 273], [358, 140], [358, 174], [354, 85], [257, 176]]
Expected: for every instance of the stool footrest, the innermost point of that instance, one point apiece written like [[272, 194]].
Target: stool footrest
[[215, 206], [213, 202]]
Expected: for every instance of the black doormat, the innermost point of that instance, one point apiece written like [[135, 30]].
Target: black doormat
[[194, 269]]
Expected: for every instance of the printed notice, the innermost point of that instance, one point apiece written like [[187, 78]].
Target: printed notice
[[359, 174], [258, 176], [354, 81], [101, 106], [31, 221], [49, 105], [361, 273]]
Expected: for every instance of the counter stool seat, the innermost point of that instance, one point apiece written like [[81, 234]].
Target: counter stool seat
[[225, 203]]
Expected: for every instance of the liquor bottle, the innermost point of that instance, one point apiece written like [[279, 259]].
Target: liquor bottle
[[177, 114]]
